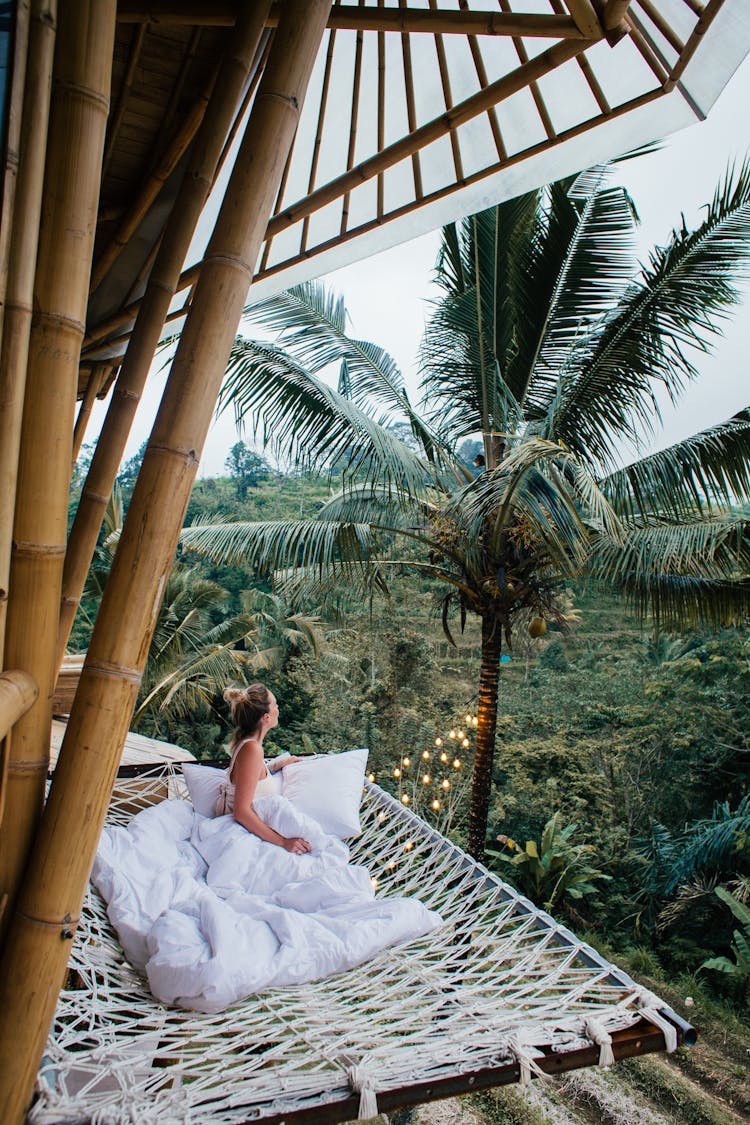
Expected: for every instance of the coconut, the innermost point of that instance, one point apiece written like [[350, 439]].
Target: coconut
[[537, 627]]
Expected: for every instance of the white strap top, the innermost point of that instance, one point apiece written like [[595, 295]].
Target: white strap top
[[225, 799]]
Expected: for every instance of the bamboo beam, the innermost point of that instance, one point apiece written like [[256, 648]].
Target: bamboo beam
[[473, 178], [176, 92], [465, 111], [17, 693], [222, 13], [12, 141], [614, 14], [139, 207], [707, 16], [585, 17], [20, 282], [35, 955], [160, 289], [80, 92]]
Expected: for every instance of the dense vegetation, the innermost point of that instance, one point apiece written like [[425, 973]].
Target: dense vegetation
[[638, 744]]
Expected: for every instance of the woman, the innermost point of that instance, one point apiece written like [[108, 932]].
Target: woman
[[254, 712]]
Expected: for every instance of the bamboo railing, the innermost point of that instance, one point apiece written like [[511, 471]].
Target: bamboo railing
[[161, 287], [81, 82], [36, 950]]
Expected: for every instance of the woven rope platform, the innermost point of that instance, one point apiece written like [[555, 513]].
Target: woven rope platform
[[500, 983]]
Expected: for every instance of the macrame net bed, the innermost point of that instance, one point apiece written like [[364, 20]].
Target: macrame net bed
[[498, 993]]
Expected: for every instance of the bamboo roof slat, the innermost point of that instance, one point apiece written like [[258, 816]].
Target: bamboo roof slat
[[662, 25], [125, 89]]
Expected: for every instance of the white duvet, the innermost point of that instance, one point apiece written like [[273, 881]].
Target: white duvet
[[211, 913]]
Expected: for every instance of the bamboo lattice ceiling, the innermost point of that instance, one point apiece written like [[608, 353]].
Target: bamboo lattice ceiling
[[417, 113]]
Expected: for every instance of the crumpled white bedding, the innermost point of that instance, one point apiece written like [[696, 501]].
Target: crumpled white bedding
[[212, 913]]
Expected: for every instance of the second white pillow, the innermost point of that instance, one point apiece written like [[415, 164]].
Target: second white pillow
[[329, 789]]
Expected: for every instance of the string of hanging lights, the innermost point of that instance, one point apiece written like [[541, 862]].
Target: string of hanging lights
[[428, 780]]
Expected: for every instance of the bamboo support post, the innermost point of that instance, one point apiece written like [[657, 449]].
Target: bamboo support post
[[80, 93], [20, 284], [36, 952], [161, 287], [12, 141]]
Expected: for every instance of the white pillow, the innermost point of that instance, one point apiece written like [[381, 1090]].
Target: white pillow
[[203, 786], [329, 789]]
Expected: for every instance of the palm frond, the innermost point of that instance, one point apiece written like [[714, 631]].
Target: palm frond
[[282, 544], [686, 289], [311, 326], [303, 417], [599, 264], [711, 845], [684, 575], [709, 467]]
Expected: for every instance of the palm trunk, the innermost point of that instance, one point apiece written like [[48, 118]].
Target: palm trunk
[[481, 782]]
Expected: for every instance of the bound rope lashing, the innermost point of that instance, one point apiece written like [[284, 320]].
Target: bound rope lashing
[[526, 1062], [597, 1033], [648, 1006], [362, 1083]]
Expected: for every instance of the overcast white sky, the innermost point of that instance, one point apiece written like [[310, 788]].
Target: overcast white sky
[[388, 295]]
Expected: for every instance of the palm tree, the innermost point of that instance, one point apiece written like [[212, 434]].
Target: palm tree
[[548, 342]]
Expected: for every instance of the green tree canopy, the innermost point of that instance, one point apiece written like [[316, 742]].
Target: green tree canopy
[[548, 344]]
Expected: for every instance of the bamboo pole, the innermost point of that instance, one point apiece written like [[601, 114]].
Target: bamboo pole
[[35, 955], [98, 376], [99, 332], [20, 285], [160, 290], [343, 17], [13, 141], [81, 81], [17, 693]]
